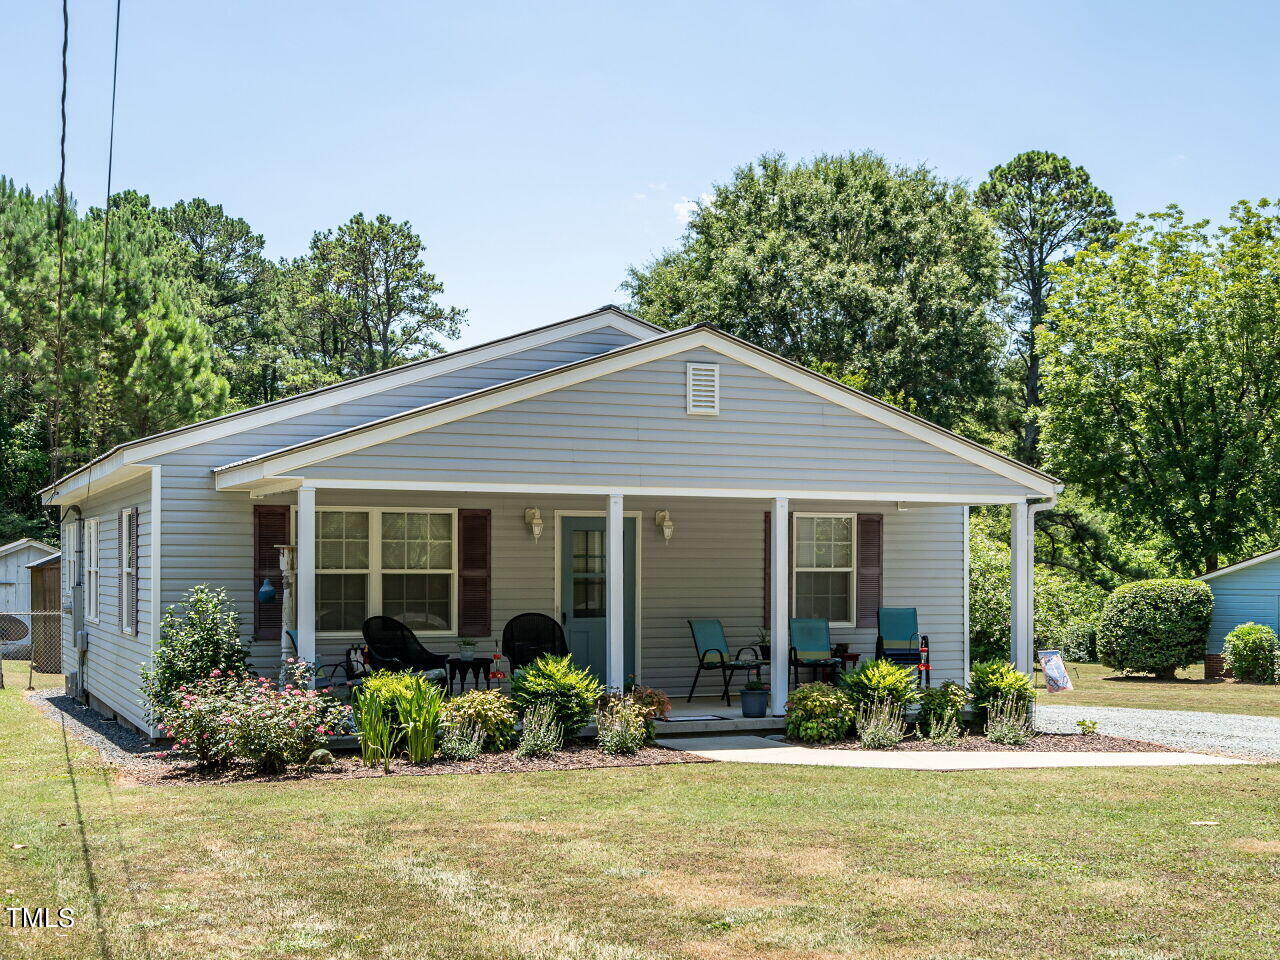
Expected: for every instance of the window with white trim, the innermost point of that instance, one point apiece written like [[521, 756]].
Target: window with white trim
[[70, 547], [823, 551], [92, 570], [398, 563], [128, 570]]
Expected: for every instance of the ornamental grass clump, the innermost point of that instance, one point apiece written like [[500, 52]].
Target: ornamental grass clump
[[418, 707], [1251, 653], [489, 711], [570, 690], [818, 713], [622, 725], [1007, 722], [376, 728], [463, 740], [540, 735], [879, 724]]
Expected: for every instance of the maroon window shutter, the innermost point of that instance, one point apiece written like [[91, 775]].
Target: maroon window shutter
[[475, 553], [270, 529], [137, 569], [869, 581]]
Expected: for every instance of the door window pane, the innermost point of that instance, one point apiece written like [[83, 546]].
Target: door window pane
[[588, 597], [588, 551]]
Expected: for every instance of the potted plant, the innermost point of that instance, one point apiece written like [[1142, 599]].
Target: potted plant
[[763, 645], [466, 648], [755, 699]]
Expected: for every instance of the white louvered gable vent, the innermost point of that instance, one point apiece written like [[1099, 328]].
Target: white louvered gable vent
[[702, 388]]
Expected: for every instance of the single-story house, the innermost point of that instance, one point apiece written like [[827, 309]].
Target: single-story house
[[1245, 592], [615, 475]]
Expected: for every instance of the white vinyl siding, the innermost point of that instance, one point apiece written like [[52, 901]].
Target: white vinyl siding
[[823, 563], [92, 570]]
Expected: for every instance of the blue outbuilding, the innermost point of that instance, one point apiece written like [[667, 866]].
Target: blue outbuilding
[[1244, 592]]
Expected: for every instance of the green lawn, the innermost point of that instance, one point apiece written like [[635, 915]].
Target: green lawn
[[699, 861], [1099, 686]]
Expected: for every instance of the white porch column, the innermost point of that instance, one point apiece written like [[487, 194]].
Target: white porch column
[[780, 607], [615, 614], [306, 558], [1021, 558]]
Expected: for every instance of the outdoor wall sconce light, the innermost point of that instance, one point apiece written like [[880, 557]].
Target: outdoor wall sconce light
[[662, 519], [533, 520]]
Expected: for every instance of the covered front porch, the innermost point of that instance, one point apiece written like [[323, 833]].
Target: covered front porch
[[625, 570]]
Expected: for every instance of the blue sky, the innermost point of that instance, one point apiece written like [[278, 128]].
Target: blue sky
[[541, 148]]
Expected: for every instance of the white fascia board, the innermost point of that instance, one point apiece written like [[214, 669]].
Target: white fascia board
[[887, 497], [106, 475], [1263, 558], [227, 425], [289, 459]]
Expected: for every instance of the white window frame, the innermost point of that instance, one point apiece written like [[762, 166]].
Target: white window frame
[[853, 562], [92, 570], [128, 572], [374, 574]]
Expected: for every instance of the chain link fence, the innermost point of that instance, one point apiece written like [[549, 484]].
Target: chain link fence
[[34, 635]]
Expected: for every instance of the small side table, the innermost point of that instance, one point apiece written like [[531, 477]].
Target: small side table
[[460, 669], [850, 661]]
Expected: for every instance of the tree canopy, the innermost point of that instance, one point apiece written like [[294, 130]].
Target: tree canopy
[[877, 272], [1161, 396]]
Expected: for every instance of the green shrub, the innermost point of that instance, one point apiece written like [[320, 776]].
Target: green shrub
[[948, 699], [490, 711], [995, 680], [1080, 645], [880, 680], [540, 735], [656, 705], [572, 691], [199, 639], [818, 713], [389, 684], [622, 724], [1087, 727], [1007, 721], [879, 723], [1155, 626], [1251, 652]]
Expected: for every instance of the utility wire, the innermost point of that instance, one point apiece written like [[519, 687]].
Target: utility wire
[[55, 422], [111, 151]]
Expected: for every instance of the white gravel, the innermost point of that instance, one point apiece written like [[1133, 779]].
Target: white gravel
[[1223, 733]]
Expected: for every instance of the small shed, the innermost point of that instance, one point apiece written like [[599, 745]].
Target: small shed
[[15, 574], [1248, 591]]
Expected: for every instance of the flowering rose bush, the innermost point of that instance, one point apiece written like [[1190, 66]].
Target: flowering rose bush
[[270, 724]]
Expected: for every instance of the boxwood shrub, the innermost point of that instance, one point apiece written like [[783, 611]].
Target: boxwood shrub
[[818, 713], [1155, 626], [1250, 651]]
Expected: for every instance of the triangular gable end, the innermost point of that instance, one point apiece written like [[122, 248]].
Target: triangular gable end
[[625, 419]]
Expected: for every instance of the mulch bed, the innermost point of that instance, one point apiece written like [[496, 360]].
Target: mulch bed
[[140, 761], [1042, 742]]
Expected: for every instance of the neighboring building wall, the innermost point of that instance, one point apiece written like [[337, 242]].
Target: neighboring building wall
[[113, 662], [208, 536], [631, 428], [15, 578], [1241, 596]]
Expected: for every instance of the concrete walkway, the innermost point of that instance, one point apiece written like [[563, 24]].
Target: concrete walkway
[[1239, 735], [746, 749]]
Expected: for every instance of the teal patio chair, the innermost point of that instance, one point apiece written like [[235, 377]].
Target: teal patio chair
[[713, 654], [811, 647], [899, 639]]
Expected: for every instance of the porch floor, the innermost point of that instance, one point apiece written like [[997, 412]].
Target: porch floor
[[710, 715]]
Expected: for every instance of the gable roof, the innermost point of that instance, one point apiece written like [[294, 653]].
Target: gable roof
[[229, 424], [1260, 558], [280, 462], [26, 542]]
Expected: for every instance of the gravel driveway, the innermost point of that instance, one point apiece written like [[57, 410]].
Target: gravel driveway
[[1239, 736]]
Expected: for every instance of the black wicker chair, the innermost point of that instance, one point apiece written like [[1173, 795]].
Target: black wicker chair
[[393, 646], [528, 636]]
